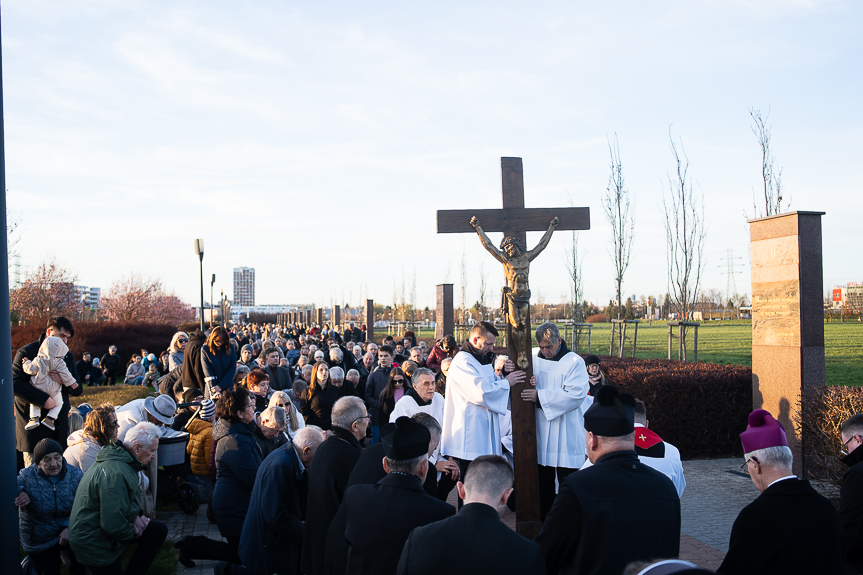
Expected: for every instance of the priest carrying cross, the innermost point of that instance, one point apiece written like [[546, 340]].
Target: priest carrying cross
[[514, 220]]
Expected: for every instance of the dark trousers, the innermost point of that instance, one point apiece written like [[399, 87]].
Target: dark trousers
[[546, 486], [110, 378], [147, 546], [200, 547], [48, 562], [462, 469]]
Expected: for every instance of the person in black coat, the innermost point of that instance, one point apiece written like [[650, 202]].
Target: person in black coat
[[328, 477], [375, 384], [273, 528], [380, 517], [26, 394], [789, 529], [193, 369], [85, 371], [320, 398], [617, 511], [475, 540], [851, 494], [110, 364]]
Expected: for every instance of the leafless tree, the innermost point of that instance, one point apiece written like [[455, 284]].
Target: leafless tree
[[483, 292], [46, 291], [573, 264], [772, 198], [413, 295], [620, 215], [463, 285], [685, 233]]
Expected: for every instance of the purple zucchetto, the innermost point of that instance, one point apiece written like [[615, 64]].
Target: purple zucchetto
[[762, 432]]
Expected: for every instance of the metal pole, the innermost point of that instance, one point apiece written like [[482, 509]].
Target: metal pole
[[212, 307], [8, 461], [201, 258]]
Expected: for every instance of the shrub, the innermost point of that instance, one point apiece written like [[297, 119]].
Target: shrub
[[95, 337], [701, 408], [597, 318], [823, 411]]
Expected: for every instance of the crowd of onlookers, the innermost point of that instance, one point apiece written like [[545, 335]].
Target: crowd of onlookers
[[320, 452]]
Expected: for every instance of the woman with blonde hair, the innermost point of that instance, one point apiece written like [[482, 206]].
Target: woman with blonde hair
[[175, 350], [100, 429], [295, 420]]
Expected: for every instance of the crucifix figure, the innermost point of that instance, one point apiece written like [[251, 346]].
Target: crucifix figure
[[514, 220], [516, 295]]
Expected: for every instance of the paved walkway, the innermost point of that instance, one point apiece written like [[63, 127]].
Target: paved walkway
[[715, 493]]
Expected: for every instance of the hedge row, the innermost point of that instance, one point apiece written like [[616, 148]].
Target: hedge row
[[95, 337], [701, 408], [824, 410]]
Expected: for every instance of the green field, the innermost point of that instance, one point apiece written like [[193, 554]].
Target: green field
[[731, 343]]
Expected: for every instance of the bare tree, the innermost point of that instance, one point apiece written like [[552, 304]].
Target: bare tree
[[685, 233], [413, 295], [483, 293], [46, 291], [136, 298], [573, 264], [463, 285], [771, 197], [616, 205]]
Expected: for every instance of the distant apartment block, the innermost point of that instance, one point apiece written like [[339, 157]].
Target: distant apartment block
[[244, 287], [91, 296]]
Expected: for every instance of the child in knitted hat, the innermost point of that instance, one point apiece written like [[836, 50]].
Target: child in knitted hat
[[50, 358]]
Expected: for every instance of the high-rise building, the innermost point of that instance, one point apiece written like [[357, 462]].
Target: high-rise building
[[244, 286]]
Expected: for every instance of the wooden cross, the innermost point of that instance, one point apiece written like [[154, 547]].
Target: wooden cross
[[515, 220]]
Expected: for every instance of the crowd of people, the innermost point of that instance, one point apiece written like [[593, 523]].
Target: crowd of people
[[320, 452]]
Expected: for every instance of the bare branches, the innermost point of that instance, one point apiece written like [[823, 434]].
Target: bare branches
[[771, 194], [685, 233], [47, 291], [616, 205], [135, 298], [574, 267]]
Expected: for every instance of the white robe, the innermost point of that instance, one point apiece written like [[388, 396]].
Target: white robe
[[475, 400], [562, 388], [670, 465]]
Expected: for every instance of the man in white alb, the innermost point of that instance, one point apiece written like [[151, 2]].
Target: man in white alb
[[475, 399], [561, 400]]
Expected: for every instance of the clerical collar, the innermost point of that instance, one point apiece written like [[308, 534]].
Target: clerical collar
[[407, 475], [486, 358]]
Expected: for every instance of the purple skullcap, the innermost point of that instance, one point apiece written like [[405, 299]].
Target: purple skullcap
[[762, 432]]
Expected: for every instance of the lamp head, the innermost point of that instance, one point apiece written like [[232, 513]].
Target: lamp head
[[199, 248], [213, 279]]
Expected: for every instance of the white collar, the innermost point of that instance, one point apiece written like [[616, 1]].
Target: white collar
[[638, 425], [783, 479]]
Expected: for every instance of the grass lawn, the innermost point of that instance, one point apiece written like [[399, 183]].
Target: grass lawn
[[113, 394], [731, 343], [165, 562]]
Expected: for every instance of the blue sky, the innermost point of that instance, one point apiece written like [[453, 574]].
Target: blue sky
[[314, 142]]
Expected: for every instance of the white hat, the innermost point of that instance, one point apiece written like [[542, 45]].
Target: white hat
[[319, 354], [162, 408]]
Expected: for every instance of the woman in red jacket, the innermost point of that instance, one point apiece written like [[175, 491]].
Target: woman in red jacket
[[443, 349]]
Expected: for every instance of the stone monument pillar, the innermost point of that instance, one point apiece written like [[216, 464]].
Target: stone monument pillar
[[337, 316], [370, 320], [321, 316], [443, 312], [787, 317], [308, 318]]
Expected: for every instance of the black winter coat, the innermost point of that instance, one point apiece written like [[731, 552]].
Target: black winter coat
[[273, 528], [328, 477], [609, 515], [368, 470], [476, 541], [237, 460], [851, 506], [790, 530], [375, 384], [111, 363], [25, 394], [193, 370], [380, 517], [318, 409]]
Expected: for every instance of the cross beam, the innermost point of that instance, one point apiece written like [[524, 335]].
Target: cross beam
[[515, 220]]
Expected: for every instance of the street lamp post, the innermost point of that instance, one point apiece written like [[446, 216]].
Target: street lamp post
[[222, 308], [212, 306], [199, 251]]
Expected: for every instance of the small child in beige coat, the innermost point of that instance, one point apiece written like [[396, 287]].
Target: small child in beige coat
[[50, 358]]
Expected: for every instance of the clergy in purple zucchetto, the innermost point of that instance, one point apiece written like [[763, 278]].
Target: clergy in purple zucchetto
[[789, 528]]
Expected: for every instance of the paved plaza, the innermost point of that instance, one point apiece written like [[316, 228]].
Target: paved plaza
[[715, 493]]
